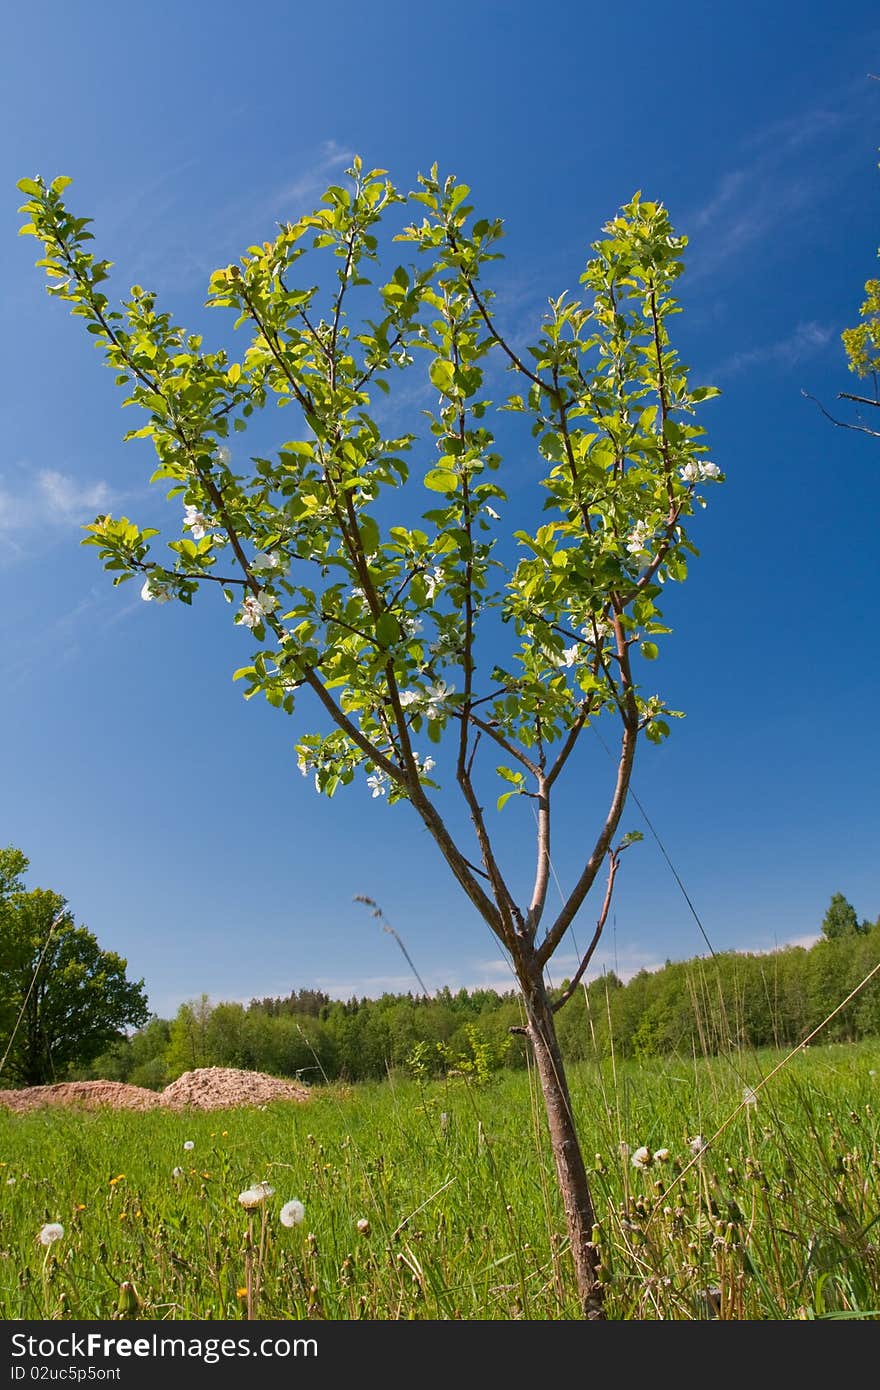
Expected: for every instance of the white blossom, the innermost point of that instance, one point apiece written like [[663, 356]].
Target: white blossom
[[292, 1213], [196, 521], [438, 693], [428, 764], [255, 608], [690, 472], [433, 581], [412, 626], [408, 697], [709, 472], [638, 539], [52, 1231], [570, 655], [377, 783], [271, 560], [223, 454], [155, 589], [490, 511]]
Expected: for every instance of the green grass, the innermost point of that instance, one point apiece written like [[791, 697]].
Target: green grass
[[778, 1218]]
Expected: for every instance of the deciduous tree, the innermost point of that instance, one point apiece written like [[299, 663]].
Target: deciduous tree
[[436, 644], [62, 998]]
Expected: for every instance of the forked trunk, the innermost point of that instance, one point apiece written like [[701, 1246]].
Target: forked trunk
[[570, 1170]]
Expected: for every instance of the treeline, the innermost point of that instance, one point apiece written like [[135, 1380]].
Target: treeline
[[705, 1005]]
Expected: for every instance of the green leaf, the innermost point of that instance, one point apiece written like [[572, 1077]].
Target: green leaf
[[29, 186], [369, 534], [441, 480], [234, 373], [509, 775], [387, 629], [657, 730], [504, 798], [443, 375]]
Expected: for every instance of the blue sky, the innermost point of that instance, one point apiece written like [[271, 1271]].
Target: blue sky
[[135, 777]]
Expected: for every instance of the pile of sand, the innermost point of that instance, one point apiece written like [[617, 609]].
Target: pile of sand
[[207, 1088], [216, 1088], [83, 1094]]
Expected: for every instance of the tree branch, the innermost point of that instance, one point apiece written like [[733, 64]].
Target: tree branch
[[613, 866]]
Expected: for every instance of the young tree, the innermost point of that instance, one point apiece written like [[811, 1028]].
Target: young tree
[[62, 999], [409, 625], [841, 919]]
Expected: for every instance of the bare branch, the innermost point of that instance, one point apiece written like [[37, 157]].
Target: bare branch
[[613, 866], [843, 424]]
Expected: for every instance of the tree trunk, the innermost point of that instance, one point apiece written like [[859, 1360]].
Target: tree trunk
[[570, 1169]]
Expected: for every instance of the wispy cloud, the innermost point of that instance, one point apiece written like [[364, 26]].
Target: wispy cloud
[[783, 171], [162, 237], [332, 156], [49, 499], [25, 651], [804, 341]]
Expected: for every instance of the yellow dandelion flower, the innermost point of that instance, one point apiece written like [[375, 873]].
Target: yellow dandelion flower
[[119, 1177], [241, 1293], [123, 1215]]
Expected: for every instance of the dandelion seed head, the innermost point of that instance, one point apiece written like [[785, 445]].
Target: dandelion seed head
[[256, 1194], [52, 1231], [292, 1213]]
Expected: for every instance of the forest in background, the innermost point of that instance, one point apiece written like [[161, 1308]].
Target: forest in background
[[701, 1006]]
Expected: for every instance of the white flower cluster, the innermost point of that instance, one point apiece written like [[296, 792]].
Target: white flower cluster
[[196, 521], [695, 472], [255, 607], [639, 538], [431, 699], [155, 588], [271, 560], [378, 783]]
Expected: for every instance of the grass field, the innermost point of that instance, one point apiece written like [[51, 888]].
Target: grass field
[[454, 1190]]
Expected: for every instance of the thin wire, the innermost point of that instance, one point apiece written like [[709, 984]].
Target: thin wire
[[662, 847]]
